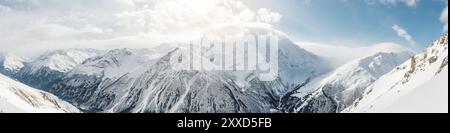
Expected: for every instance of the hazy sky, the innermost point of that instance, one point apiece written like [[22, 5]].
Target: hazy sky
[[36, 25]]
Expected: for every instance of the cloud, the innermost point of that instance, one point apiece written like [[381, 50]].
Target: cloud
[[339, 55], [176, 16], [409, 3], [44, 24], [444, 19], [404, 34], [268, 16]]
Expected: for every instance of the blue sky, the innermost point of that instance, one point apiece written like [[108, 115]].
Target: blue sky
[[357, 22]]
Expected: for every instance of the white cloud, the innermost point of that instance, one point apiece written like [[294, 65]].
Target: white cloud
[[404, 34], [444, 19], [339, 55], [190, 15], [48, 24], [410, 3], [268, 16]]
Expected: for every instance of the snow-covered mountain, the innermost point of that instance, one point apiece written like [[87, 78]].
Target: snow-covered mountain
[[16, 97], [151, 85], [114, 63], [418, 85], [143, 80], [336, 90], [62, 60], [10, 63], [40, 72], [80, 84]]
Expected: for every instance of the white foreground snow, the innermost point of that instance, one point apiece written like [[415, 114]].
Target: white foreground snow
[[16, 97], [430, 97]]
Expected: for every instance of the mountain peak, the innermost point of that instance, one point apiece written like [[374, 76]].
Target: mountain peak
[[63, 60], [11, 63], [114, 62]]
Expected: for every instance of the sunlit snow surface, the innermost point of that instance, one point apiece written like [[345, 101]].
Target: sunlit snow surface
[[16, 97], [418, 85]]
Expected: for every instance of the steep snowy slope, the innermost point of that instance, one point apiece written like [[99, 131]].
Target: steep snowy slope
[[160, 89], [425, 73], [431, 97], [338, 89], [87, 79], [16, 97], [52, 65]]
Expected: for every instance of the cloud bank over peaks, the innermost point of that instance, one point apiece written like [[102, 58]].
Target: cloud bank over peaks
[[339, 55]]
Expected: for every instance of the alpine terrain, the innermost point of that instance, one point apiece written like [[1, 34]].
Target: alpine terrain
[[418, 85], [145, 81], [16, 97]]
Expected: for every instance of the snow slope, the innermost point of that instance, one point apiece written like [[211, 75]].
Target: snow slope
[[335, 91], [16, 97], [431, 97], [90, 79], [418, 85]]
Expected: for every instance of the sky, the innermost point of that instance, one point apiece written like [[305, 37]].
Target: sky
[[361, 22], [28, 26]]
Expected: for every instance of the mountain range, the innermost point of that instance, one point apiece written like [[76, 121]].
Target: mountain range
[[143, 81]]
